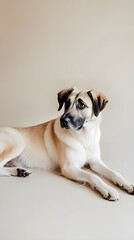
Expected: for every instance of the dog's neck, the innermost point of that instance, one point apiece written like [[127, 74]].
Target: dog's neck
[[88, 133]]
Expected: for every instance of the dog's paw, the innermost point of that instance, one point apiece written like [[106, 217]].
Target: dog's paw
[[131, 190], [110, 195], [21, 172]]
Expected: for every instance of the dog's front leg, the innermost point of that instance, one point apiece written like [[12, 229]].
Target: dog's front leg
[[77, 174], [99, 167]]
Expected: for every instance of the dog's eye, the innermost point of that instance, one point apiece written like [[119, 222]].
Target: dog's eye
[[81, 104], [67, 104]]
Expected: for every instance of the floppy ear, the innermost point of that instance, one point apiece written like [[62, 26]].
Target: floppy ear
[[99, 101], [63, 95]]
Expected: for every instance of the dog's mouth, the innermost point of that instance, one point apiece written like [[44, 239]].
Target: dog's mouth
[[69, 123]]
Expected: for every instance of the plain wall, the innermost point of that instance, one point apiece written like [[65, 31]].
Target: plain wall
[[48, 45]]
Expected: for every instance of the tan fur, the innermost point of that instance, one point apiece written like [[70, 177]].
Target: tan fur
[[70, 146]]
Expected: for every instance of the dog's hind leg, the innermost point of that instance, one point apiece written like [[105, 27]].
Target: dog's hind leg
[[14, 171], [11, 146], [11, 171]]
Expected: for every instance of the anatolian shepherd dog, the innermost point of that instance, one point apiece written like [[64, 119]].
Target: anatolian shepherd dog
[[70, 141]]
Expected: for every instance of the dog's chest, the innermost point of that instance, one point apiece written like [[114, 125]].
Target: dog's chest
[[90, 142]]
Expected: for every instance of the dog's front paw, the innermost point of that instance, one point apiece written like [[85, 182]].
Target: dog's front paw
[[21, 172], [131, 190], [128, 187], [110, 194]]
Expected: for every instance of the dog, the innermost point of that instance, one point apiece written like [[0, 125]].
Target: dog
[[70, 142]]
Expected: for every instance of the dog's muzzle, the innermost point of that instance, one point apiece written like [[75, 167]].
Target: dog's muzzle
[[67, 121]]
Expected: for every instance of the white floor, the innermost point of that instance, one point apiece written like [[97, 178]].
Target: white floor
[[47, 206]]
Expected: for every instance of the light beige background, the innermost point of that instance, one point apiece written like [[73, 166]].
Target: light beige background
[[48, 45]]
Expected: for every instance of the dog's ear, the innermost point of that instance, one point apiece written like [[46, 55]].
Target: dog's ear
[[99, 101], [63, 95]]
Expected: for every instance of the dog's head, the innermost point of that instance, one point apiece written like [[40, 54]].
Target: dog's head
[[81, 106]]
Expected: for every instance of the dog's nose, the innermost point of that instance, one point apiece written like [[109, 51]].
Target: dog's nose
[[64, 122]]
